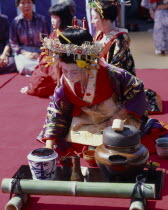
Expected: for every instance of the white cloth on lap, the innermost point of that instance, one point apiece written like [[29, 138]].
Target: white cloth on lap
[[25, 65]]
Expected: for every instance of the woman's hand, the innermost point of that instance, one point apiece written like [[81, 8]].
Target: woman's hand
[[3, 60], [50, 143], [35, 55], [30, 55]]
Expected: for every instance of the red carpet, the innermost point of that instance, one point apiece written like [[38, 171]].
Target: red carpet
[[6, 78], [156, 79], [22, 117]]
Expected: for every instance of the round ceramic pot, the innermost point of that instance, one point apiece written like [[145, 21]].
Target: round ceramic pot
[[42, 163], [121, 153], [121, 161]]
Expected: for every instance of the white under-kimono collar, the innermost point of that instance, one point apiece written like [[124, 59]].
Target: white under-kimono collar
[[90, 88]]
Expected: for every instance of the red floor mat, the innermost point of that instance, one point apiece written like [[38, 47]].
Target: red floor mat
[[21, 119], [5, 78]]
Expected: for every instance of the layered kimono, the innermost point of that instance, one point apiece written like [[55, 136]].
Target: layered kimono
[[44, 78], [117, 51], [76, 121]]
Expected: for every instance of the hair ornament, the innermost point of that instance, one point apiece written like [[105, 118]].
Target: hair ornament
[[97, 4], [60, 34], [126, 2], [49, 63], [84, 23], [86, 55], [81, 63], [88, 71], [75, 24]]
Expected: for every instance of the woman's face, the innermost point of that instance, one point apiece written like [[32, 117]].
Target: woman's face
[[26, 7], [96, 20], [55, 21], [72, 72]]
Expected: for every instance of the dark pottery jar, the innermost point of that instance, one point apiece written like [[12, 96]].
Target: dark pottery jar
[[76, 170], [121, 153]]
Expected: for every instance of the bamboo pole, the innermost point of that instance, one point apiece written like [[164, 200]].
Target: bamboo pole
[[15, 203], [70, 188], [137, 204]]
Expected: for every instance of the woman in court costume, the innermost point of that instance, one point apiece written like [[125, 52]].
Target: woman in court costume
[[91, 94], [115, 40]]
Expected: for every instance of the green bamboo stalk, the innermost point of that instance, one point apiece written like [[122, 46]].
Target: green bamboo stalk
[[15, 203], [137, 204], [70, 188]]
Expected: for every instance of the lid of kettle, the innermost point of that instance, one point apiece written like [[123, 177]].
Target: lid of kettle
[[121, 135]]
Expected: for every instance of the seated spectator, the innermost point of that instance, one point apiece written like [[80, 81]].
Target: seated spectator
[[25, 37], [7, 63], [44, 78]]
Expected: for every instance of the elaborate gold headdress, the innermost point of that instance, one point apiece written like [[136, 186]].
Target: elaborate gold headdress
[[86, 55], [98, 4]]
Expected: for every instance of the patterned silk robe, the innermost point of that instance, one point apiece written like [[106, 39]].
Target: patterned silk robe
[[118, 94]]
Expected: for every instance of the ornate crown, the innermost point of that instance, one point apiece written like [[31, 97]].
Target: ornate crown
[[97, 4], [86, 55]]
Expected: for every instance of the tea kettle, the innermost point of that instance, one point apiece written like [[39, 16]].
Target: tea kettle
[[121, 153]]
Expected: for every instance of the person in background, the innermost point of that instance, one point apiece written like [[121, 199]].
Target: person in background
[[72, 7], [7, 63], [116, 44], [25, 37], [44, 78], [159, 12], [59, 20], [132, 15], [70, 3], [115, 40]]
